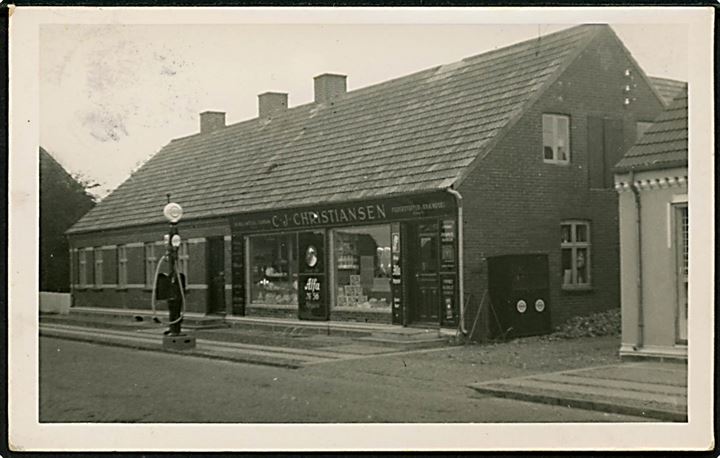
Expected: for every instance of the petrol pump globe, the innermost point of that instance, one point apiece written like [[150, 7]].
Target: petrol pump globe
[[173, 212]]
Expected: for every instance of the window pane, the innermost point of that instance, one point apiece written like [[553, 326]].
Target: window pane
[[565, 233], [581, 233], [362, 268], [563, 138], [566, 263], [273, 270], [582, 265]]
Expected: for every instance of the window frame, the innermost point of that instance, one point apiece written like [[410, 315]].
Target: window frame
[[573, 245], [150, 258], [98, 267], [682, 256], [122, 282], [554, 117], [82, 268], [184, 260]]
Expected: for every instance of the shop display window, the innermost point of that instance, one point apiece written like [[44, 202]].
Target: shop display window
[[273, 270], [363, 268]]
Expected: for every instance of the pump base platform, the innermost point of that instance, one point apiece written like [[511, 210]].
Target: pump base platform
[[179, 342]]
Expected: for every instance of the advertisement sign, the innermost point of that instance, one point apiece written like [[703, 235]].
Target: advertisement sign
[[312, 278], [396, 274]]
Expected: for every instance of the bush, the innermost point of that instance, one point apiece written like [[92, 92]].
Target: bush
[[598, 324]]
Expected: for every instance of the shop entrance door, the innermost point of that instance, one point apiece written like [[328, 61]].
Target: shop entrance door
[[215, 275], [423, 269]]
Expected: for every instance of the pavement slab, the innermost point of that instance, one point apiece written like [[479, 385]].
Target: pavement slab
[[650, 390]]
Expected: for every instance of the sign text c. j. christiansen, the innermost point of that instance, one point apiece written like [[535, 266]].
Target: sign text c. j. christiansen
[[372, 212]]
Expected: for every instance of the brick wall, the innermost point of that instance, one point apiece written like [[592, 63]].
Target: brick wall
[[136, 297], [514, 202]]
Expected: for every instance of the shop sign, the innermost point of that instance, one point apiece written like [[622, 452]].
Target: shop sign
[[346, 214], [448, 231]]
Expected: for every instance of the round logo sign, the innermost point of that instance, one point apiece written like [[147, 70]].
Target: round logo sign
[[311, 256], [173, 212], [521, 306], [539, 305]]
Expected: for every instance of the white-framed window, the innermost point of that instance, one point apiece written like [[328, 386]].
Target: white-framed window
[[183, 260], [122, 266], [575, 254], [150, 264], [640, 128], [556, 138], [98, 272], [681, 213], [82, 269]]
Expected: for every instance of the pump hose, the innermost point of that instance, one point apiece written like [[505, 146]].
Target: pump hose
[[154, 289]]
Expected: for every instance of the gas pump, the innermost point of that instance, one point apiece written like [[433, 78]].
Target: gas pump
[[172, 287]]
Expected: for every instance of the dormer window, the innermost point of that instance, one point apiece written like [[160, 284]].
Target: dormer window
[[556, 138]]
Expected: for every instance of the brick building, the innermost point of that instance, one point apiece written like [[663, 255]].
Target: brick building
[[348, 208]]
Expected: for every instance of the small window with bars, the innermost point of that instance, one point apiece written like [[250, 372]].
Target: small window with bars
[[575, 254]]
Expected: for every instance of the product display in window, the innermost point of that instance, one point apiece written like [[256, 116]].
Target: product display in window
[[274, 270], [363, 268]]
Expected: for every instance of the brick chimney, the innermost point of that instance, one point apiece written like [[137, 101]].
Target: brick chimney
[[211, 121], [271, 102], [329, 86]]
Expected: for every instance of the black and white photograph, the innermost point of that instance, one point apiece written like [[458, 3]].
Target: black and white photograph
[[361, 229]]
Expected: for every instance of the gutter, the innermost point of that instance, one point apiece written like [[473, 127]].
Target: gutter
[[641, 313], [461, 257]]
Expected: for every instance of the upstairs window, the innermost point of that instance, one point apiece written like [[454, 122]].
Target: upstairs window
[[575, 259], [556, 138]]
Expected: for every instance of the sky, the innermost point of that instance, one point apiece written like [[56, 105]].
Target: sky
[[112, 95]]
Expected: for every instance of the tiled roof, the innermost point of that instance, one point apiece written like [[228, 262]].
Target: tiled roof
[[667, 88], [665, 142], [410, 134]]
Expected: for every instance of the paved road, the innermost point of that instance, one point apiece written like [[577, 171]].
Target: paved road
[[93, 383]]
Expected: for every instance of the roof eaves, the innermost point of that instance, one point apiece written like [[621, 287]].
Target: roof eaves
[[529, 103], [624, 168]]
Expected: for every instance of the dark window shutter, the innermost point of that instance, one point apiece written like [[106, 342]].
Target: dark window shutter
[[614, 147], [595, 151]]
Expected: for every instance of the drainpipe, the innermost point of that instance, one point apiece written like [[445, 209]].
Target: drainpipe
[[641, 315], [461, 257]]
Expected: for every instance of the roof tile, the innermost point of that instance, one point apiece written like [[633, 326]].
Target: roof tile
[[409, 134]]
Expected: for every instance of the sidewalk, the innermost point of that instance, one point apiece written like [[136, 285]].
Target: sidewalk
[[645, 389], [270, 342]]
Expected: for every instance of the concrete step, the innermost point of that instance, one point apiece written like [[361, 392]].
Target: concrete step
[[405, 343], [299, 328], [205, 322], [622, 389]]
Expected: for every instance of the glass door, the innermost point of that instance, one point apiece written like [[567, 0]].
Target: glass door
[[423, 264]]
